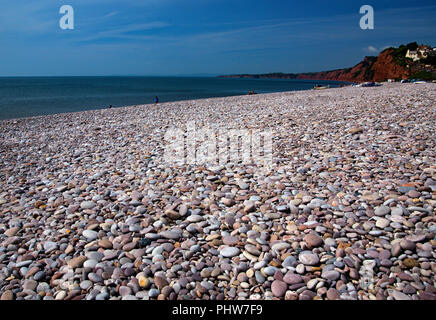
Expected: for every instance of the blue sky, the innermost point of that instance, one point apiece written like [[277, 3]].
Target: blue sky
[[175, 37]]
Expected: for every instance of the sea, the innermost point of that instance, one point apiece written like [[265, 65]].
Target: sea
[[35, 96]]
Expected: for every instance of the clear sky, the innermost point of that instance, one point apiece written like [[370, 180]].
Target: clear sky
[[175, 37]]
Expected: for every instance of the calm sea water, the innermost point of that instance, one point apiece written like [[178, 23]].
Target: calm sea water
[[33, 96]]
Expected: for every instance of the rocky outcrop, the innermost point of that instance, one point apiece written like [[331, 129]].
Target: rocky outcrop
[[386, 67], [380, 68]]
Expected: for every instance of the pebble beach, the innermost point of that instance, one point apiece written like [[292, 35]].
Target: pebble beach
[[347, 210]]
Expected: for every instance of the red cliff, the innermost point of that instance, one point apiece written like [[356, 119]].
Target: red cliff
[[385, 67], [388, 65]]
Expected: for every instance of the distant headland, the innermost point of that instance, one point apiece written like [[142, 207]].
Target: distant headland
[[407, 61]]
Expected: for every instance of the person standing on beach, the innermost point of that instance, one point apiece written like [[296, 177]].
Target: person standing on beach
[[156, 100]]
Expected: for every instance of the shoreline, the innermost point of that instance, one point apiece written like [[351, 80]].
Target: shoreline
[[132, 105], [172, 102], [347, 210]]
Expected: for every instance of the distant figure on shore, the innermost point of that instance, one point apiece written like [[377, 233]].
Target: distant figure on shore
[[156, 100], [110, 107], [251, 92]]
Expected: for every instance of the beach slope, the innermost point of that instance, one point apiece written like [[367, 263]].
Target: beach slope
[[346, 210]]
